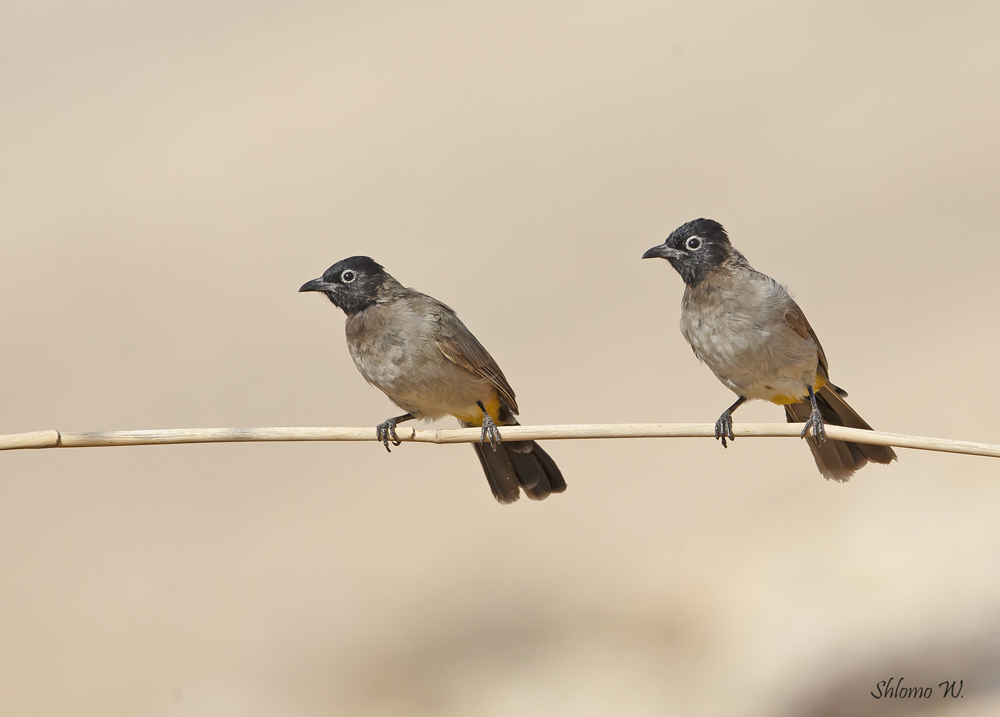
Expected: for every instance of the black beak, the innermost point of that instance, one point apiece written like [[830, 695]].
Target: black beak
[[316, 285], [662, 252]]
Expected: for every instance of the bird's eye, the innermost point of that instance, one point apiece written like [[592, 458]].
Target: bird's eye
[[348, 276], [693, 243]]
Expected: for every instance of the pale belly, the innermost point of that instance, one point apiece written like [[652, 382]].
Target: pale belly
[[753, 352], [417, 377]]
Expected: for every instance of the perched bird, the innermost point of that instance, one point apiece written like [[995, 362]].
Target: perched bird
[[757, 341], [418, 352]]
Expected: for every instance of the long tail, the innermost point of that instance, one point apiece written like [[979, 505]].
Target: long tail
[[838, 460], [519, 464]]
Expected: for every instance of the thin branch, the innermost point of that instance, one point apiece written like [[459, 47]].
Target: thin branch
[[55, 439]]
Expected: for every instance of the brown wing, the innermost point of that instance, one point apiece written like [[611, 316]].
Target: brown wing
[[462, 348], [797, 320]]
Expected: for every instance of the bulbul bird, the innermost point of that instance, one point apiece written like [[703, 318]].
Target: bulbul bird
[[755, 338], [418, 352]]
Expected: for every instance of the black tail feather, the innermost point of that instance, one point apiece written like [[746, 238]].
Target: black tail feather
[[519, 465], [499, 472], [838, 460], [557, 484]]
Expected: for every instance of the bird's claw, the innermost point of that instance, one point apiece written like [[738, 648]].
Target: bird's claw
[[385, 432], [724, 428], [815, 423], [491, 433]]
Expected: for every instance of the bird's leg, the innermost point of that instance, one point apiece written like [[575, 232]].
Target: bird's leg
[[386, 430], [490, 431], [724, 426], [815, 421]]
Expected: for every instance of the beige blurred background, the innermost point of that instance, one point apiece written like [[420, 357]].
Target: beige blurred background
[[171, 173]]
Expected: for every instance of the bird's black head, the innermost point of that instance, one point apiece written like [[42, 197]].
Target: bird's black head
[[694, 249], [352, 284]]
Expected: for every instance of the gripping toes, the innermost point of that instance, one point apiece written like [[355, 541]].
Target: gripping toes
[[724, 428], [385, 432], [815, 424], [490, 432]]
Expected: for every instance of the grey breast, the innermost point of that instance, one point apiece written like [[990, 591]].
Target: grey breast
[[394, 345], [735, 324]]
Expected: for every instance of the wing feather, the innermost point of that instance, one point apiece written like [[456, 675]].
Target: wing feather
[[462, 348], [798, 322]]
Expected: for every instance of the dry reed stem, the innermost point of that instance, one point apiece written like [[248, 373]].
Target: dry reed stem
[[55, 439]]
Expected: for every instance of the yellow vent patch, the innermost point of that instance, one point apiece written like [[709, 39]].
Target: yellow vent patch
[[783, 400], [476, 416]]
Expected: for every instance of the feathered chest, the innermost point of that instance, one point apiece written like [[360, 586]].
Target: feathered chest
[[387, 343], [397, 348], [725, 318], [736, 325]]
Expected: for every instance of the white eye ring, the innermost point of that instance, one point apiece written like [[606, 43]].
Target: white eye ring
[[348, 276], [694, 243]]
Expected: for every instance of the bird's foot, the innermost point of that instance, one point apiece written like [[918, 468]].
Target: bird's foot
[[724, 428], [815, 423], [385, 432], [490, 432]]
